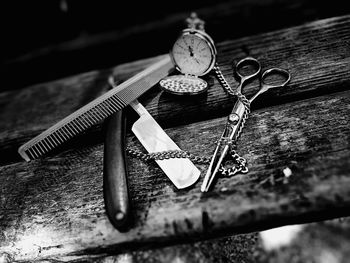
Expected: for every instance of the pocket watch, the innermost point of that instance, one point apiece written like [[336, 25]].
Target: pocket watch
[[194, 55]]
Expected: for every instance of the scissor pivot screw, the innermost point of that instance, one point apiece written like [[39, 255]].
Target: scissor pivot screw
[[233, 118]]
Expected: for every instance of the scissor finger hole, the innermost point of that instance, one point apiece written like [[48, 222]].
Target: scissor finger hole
[[275, 77], [248, 67]]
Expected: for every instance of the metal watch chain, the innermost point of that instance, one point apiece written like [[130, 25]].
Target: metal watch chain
[[241, 163]]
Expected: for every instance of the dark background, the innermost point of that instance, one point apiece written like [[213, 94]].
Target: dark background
[[45, 40]]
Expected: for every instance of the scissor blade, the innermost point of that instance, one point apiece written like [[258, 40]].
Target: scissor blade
[[209, 175], [181, 171], [230, 132], [206, 185]]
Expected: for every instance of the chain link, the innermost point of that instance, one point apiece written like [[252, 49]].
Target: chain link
[[240, 161], [146, 157], [232, 92], [241, 164]]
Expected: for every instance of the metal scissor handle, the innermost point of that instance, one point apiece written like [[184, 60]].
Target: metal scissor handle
[[236, 116], [264, 86], [243, 78]]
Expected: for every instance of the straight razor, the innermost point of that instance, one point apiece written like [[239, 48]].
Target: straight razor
[[181, 171]]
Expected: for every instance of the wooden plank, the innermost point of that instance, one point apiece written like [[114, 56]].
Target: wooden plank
[[225, 20], [54, 207], [317, 54], [47, 103], [327, 239], [310, 242]]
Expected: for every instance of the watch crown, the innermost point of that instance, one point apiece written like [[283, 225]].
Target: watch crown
[[194, 22]]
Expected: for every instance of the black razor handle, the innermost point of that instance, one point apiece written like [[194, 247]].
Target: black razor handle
[[115, 185]]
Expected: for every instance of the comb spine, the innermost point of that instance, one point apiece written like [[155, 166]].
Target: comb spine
[[160, 67]]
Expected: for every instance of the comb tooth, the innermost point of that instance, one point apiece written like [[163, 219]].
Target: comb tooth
[[70, 126], [50, 142], [121, 102], [118, 98], [112, 102], [96, 115], [115, 101], [30, 154], [87, 120], [74, 127], [59, 137], [76, 130], [56, 136], [88, 124], [35, 151], [36, 148], [69, 130], [108, 108], [47, 144], [92, 115], [112, 109], [55, 140], [96, 110], [83, 123], [101, 112], [30, 151], [64, 133], [43, 146], [79, 123], [114, 105], [118, 101], [40, 147], [61, 134]]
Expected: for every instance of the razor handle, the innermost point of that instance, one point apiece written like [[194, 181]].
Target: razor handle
[[115, 185]]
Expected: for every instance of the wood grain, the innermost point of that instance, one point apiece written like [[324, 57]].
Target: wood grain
[[316, 54], [156, 26], [54, 207], [327, 239]]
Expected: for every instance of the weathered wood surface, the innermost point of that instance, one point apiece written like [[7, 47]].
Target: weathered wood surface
[[325, 241], [53, 207], [317, 55]]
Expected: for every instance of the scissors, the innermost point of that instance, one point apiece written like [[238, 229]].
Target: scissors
[[239, 114]]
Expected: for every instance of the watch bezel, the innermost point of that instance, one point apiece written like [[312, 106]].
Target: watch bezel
[[204, 36]]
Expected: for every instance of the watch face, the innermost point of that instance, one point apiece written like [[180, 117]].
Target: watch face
[[193, 53]]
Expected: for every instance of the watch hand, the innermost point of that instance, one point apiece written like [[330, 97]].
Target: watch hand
[[191, 51], [196, 60]]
